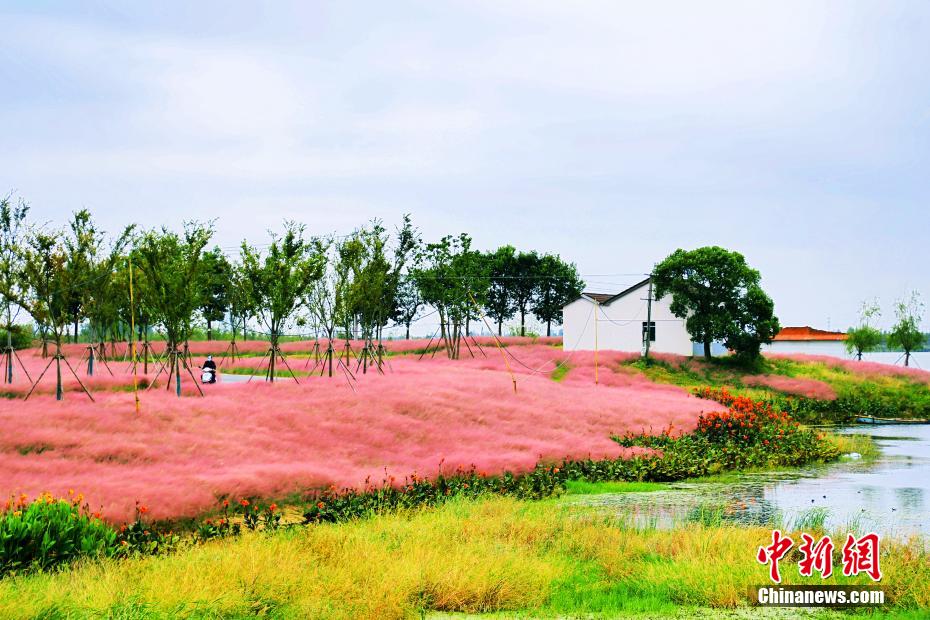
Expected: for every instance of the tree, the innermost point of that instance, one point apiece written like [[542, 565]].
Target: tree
[[864, 337], [453, 279], [524, 284], [101, 297], [240, 299], [216, 275], [14, 231], [906, 334], [407, 303], [753, 323], [82, 244], [557, 285], [281, 277], [50, 292], [499, 303], [325, 300], [407, 241], [372, 289], [719, 297], [171, 265]]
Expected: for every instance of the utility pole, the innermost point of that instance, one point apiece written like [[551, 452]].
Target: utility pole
[[597, 307], [647, 333]]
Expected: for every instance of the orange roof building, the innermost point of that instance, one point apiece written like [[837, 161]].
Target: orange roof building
[[807, 333], [808, 340]]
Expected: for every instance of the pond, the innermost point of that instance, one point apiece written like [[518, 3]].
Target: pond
[[889, 495]]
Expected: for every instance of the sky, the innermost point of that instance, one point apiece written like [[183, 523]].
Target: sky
[[611, 133]]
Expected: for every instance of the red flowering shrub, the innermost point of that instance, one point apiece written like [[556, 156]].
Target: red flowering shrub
[[748, 421]]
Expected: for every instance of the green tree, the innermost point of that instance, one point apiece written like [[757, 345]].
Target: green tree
[[407, 241], [906, 334], [865, 337], [102, 290], [82, 243], [171, 287], [240, 299], [524, 284], [371, 285], [216, 276], [281, 277], [407, 303], [327, 298], [558, 284], [719, 297], [453, 279], [14, 230], [50, 287], [499, 302]]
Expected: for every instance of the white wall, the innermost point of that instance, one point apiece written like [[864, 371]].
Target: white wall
[[620, 325], [834, 348]]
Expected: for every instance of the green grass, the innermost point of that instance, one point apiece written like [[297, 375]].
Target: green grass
[[883, 396], [560, 372], [583, 487], [260, 372], [494, 555]]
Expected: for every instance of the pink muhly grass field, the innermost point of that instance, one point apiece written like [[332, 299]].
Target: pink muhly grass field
[[867, 369], [799, 386], [180, 455]]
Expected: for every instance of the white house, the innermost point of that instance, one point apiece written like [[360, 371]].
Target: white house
[[809, 341], [619, 323]]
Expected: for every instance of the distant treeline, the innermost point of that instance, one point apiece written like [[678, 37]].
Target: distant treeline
[[78, 280]]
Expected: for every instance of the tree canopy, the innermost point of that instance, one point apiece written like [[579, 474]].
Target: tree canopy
[[906, 334], [865, 337], [720, 298]]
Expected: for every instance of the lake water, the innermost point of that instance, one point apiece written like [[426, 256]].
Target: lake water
[[890, 495]]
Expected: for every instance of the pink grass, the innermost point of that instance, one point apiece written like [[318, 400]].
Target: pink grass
[[180, 455], [867, 369], [809, 388]]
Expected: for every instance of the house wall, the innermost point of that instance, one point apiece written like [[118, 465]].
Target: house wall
[[620, 325], [833, 348]]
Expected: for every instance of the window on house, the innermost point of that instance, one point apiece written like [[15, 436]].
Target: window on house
[[651, 328]]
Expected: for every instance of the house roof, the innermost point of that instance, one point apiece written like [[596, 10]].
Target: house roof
[[598, 297], [808, 333], [608, 298]]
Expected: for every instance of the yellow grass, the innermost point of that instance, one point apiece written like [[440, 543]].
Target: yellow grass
[[543, 558]]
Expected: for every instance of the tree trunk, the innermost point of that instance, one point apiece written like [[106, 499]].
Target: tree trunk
[[408, 331], [8, 375], [274, 351], [209, 329], [522, 323], [907, 358], [500, 328], [75, 330], [707, 344], [548, 328]]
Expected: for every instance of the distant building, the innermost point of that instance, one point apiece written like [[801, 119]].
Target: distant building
[[621, 323], [809, 341]]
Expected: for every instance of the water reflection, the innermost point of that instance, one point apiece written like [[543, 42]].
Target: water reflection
[[887, 495]]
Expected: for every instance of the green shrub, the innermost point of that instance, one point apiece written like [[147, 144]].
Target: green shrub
[[22, 336], [49, 532]]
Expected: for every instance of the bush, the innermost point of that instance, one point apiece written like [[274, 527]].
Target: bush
[[750, 434], [22, 336], [48, 532]]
